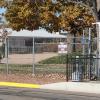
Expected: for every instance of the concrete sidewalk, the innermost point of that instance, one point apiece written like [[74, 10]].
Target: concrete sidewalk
[[74, 87], [84, 87]]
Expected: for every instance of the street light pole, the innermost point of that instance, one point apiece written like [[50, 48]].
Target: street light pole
[[89, 43]]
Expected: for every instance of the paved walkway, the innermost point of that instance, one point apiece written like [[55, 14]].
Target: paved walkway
[[86, 87], [28, 58]]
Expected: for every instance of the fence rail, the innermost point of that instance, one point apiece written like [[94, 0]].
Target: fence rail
[[82, 68]]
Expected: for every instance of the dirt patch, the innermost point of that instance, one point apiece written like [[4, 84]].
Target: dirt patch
[[37, 79]]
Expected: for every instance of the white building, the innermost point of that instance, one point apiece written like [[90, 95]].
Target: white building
[[22, 41]]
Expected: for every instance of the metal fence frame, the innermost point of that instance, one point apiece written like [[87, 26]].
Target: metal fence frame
[[82, 68]]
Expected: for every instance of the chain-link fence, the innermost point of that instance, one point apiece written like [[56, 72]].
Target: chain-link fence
[[28, 57], [82, 45], [42, 59], [46, 58]]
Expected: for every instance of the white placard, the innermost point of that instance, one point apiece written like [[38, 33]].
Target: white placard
[[62, 48]]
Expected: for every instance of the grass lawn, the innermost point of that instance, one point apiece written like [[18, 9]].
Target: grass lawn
[[39, 68], [55, 64]]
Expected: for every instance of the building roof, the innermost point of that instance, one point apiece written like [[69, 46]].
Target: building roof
[[41, 33]]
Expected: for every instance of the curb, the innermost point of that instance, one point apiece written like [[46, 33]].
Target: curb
[[19, 85]]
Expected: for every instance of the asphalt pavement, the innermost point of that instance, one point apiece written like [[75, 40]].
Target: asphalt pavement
[[9, 93]]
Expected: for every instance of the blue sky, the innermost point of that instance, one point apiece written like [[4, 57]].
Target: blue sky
[[2, 10]]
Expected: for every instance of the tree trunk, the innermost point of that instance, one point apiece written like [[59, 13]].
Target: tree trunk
[[74, 41], [69, 42]]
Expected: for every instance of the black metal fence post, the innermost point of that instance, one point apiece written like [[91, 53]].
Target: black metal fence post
[[67, 68]]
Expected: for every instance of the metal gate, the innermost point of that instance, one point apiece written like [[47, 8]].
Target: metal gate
[[82, 68]]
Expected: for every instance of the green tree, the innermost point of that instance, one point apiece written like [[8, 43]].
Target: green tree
[[47, 14], [53, 16]]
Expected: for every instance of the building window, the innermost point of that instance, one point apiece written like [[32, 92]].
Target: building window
[[29, 42]]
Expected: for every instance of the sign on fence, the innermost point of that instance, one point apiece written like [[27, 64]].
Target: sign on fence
[[62, 48]]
